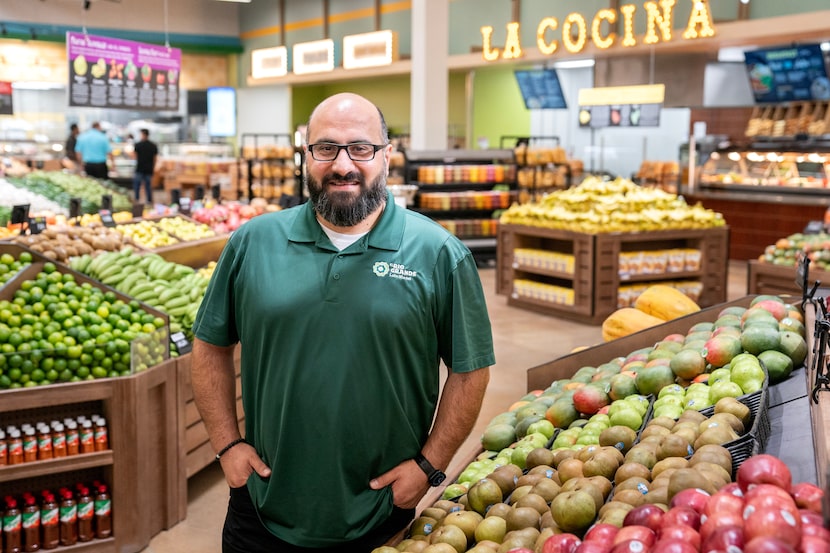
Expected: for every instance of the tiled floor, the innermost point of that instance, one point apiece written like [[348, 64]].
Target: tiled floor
[[523, 339]]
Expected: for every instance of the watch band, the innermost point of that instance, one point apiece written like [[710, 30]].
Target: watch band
[[434, 476]]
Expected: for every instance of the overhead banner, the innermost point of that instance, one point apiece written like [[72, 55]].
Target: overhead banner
[[6, 99], [112, 73]]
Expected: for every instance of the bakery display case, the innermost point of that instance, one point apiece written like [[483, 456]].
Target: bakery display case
[[780, 167]]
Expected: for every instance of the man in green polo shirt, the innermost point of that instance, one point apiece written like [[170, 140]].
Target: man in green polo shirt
[[344, 308]]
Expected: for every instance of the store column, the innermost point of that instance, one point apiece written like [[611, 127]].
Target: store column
[[430, 45]]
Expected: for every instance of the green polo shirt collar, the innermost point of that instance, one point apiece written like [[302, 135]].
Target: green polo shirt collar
[[387, 234]]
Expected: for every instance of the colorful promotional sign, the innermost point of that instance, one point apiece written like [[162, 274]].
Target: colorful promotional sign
[[6, 99], [112, 73], [621, 106]]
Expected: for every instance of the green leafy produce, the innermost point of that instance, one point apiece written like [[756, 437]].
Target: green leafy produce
[[5, 215], [60, 187]]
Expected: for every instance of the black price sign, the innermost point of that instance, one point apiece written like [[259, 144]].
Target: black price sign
[[200, 192], [138, 210], [106, 218], [74, 208], [184, 205], [37, 225], [175, 196], [183, 345], [20, 214], [106, 202], [215, 192]]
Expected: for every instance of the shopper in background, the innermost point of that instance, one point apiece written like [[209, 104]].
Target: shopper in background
[[145, 152], [94, 150], [71, 141], [344, 308]]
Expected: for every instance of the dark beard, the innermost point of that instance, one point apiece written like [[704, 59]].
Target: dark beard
[[343, 209]]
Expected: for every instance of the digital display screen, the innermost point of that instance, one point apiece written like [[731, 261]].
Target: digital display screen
[[221, 111], [540, 89], [796, 73]]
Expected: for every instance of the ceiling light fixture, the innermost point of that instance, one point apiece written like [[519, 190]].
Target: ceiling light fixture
[[236, 1], [825, 46]]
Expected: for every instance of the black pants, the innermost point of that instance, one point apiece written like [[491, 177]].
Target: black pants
[[96, 170], [244, 533]]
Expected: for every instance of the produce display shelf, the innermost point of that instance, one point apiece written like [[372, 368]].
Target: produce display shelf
[[104, 545], [520, 267], [766, 278], [82, 461], [685, 275]]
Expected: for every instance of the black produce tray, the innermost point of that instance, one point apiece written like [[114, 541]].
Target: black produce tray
[[759, 423]]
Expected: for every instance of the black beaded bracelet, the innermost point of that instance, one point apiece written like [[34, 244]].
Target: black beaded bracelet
[[230, 445]]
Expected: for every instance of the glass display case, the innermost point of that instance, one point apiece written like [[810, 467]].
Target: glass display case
[[768, 167]]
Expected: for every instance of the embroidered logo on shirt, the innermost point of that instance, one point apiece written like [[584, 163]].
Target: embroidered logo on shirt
[[393, 270]]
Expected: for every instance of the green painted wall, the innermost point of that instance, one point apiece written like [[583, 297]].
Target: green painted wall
[[391, 94], [498, 108]]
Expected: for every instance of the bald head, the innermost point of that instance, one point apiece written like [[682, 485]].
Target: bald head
[[347, 110]]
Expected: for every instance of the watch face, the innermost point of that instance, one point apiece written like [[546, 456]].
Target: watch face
[[437, 478]]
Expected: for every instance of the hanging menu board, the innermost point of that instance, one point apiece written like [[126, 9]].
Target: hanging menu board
[[112, 73], [621, 106]]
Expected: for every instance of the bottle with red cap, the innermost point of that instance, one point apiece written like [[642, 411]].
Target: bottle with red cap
[[103, 512], [12, 527], [31, 523], [86, 515], [68, 518], [49, 521]]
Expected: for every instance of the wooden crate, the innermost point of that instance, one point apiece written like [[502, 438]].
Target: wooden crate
[[196, 253]]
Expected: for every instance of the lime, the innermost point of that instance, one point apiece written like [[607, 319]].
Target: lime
[[6, 259], [83, 372], [25, 257], [99, 372], [49, 267], [38, 375]]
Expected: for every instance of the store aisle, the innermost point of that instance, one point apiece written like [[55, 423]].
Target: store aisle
[[523, 339]]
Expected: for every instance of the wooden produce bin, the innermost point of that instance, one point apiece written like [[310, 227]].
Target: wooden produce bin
[[596, 277], [195, 451], [141, 466], [766, 278], [196, 253]]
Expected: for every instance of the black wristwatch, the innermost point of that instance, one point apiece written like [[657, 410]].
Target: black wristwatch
[[434, 476]]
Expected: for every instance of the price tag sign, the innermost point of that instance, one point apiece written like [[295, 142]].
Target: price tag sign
[[74, 208], [184, 205], [182, 343], [20, 214], [106, 218], [106, 202], [215, 192], [37, 225], [138, 210]]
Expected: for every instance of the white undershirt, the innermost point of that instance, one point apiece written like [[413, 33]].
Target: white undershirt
[[342, 241]]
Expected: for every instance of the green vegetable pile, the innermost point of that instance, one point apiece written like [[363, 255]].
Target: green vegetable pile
[[60, 187]]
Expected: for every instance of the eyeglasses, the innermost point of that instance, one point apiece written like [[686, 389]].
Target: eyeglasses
[[358, 151]]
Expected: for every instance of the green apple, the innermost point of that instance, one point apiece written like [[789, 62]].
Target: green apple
[[671, 411], [543, 426], [719, 375], [671, 389], [627, 417]]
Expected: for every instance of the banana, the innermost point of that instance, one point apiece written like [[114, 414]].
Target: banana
[[169, 294], [115, 279], [130, 281], [141, 288]]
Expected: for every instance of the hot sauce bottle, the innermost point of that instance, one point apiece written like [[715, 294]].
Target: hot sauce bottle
[[68, 518], [103, 513], [31, 523], [50, 521]]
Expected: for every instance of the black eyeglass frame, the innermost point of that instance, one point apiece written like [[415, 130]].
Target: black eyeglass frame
[[375, 148]]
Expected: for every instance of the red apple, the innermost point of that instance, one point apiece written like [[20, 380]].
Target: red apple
[[812, 544], [521, 550], [681, 532], [561, 543], [673, 546], [636, 533], [809, 517], [631, 546], [601, 532], [589, 399], [767, 545], [719, 520], [722, 502], [808, 496], [816, 531], [694, 498], [648, 515], [764, 469], [732, 488], [592, 547], [759, 491], [771, 522], [682, 516], [725, 538]]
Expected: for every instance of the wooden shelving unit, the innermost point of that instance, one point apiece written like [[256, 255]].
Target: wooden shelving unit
[[596, 278]]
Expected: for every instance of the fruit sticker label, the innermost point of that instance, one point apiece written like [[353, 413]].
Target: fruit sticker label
[[112, 73]]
